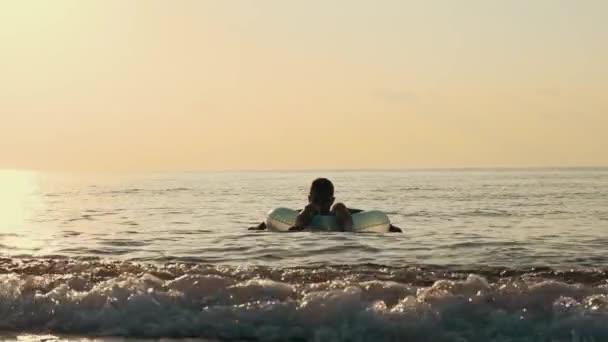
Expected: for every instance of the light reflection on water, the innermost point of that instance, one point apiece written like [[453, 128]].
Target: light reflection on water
[[20, 203]]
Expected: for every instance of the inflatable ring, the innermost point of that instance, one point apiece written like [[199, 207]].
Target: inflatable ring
[[372, 221]]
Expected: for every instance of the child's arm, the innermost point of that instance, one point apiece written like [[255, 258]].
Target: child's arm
[[305, 217], [261, 226], [394, 229]]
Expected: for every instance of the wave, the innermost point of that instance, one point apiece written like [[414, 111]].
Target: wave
[[339, 303], [488, 212], [129, 191]]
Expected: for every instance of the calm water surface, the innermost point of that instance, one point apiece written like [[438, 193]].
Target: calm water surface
[[555, 218]]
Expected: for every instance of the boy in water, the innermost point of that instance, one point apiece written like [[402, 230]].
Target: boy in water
[[321, 202]]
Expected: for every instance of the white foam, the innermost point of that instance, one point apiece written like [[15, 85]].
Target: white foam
[[239, 303]]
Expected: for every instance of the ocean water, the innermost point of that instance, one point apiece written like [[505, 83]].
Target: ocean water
[[486, 255]]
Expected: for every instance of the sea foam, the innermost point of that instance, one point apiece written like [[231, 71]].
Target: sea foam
[[340, 303]]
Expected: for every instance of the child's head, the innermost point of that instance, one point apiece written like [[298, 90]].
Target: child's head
[[321, 193]]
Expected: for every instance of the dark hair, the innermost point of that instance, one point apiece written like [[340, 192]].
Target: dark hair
[[322, 187]]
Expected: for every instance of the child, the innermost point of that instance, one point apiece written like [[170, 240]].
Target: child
[[321, 202]]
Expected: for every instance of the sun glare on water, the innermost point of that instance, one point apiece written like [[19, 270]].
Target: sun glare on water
[[17, 197]]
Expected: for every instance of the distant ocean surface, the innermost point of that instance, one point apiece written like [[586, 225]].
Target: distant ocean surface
[[486, 255]]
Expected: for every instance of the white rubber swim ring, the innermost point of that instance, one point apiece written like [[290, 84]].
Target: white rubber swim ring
[[373, 221]]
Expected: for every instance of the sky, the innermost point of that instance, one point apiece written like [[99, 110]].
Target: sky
[[151, 85]]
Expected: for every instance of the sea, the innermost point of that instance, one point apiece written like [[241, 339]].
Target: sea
[[485, 255]]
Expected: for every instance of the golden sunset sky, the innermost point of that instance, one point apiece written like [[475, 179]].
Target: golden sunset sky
[[143, 85]]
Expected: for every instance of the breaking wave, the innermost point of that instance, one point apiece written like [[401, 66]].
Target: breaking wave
[[95, 297]]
